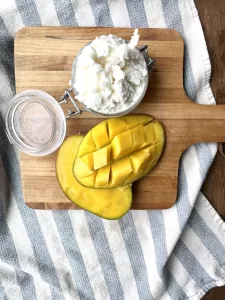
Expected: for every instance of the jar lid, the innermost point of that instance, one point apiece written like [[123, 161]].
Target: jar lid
[[35, 123]]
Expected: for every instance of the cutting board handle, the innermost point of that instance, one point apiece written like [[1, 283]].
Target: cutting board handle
[[208, 122]]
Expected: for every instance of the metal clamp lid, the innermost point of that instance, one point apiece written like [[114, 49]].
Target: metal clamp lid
[[149, 61], [71, 113]]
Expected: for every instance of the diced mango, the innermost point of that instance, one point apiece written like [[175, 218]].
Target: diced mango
[[138, 136], [102, 157], [149, 134], [120, 170], [150, 149], [159, 131], [136, 120], [88, 145], [133, 177], [102, 177], [159, 146], [100, 134], [136, 143], [122, 144], [139, 160], [89, 180], [82, 167], [153, 132], [155, 153], [116, 126], [88, 160]]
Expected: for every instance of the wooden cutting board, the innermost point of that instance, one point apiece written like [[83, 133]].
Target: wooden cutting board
[[43, 60]]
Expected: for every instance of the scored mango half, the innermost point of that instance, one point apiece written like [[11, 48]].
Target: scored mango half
[[119, 151], [108, 204]]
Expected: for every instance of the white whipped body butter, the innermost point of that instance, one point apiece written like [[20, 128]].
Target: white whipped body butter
[[111, 74]]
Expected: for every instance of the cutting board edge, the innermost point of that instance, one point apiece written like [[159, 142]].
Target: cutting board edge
[[21, 32]]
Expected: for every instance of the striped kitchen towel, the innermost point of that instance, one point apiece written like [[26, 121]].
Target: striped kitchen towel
[[177, 253]]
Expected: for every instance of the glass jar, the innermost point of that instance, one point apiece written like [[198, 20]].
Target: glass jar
[[149, 67], [35, 123]]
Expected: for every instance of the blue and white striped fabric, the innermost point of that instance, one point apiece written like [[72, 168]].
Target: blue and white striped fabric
[[170, 254]]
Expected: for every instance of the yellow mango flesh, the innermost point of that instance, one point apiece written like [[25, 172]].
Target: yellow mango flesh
[[100, 136], [102, 177], [119, 125], [102, 157], [106, 203], [122, 144], [120, 170], [139, 160], [138, 137], [130, 145], [88, 144], [88, 159]]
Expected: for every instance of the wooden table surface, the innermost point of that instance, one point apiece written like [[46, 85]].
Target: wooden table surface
[[212, 16]]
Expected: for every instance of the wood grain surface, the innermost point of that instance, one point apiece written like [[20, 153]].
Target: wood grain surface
[[43, 60], [212, 16]]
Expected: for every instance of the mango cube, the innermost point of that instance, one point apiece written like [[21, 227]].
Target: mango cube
[[88, 160], [159, 131], [139, 160], [122, 144], [100, 135], [136, 120], [83, 168], [102, 157], [116, 126], [89, 180], [138, 136], [120, 170], [149, 134], [88, 145], [102, 177]]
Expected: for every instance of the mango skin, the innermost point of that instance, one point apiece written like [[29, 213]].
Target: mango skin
[[108, 204], [130, 146]]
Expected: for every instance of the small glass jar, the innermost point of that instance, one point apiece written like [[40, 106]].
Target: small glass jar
[[35, 123]]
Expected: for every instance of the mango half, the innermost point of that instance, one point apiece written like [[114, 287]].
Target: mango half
[[119, 151], [108, 204]]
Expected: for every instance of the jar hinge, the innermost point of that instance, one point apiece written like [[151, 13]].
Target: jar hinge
[[149, 61], [65, 97]]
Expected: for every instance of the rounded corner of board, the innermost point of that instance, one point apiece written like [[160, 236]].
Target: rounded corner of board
[[29, 205], [177, 35], [170, 205], [21, 32], [32, 205]]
